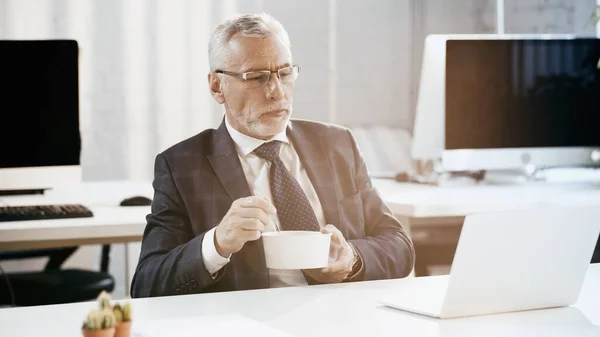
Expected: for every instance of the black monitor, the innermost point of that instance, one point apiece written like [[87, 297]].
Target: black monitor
[[540, 97], [39, 99]]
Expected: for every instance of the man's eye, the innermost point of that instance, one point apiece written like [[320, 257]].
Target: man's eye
[[286, 72], [256, 77], [286, 77]]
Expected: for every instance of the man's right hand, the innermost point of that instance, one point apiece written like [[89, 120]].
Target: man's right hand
[[245, 221]]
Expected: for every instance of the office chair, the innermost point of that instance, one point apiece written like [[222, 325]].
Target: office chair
[[53, 285]]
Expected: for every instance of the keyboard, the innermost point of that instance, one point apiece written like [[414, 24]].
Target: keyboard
[[44, 212]]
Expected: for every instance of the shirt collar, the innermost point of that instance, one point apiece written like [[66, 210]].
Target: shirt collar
[[246, 144]]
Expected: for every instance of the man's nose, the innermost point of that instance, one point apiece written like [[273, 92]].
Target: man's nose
[[275, 87]]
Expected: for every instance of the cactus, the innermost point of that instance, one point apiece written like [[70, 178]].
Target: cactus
[[104, 300], [122, 313], [108, 315], [118, 311], [99, 320], [127, 312], [109, 320]]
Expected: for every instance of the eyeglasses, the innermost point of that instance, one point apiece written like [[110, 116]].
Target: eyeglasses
[[258, 78]]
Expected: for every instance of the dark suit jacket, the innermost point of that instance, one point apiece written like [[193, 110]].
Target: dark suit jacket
[[197, 180]]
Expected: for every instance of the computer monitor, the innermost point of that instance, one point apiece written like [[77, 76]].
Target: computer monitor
[[39, 100], [496, 102]]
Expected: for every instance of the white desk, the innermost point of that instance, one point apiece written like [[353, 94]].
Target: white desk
[[111, 223], [330, 310], [415, 205], [433, 215], [427, 205]]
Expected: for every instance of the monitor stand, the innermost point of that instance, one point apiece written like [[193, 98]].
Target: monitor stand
[[524, 175], [527, 174]]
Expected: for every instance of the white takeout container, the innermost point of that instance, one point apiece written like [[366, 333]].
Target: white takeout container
[[296, 249]]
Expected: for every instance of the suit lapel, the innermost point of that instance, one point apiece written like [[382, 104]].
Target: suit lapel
[[249, 268], [313, 156], [227, 166]]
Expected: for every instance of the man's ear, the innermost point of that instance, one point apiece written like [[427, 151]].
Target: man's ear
[[214, 86]]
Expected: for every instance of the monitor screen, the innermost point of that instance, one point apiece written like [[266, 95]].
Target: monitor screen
[[39, 100], [522, 93]]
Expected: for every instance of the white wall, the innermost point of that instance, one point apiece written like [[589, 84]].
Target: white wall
[[143, 62], [549, 16]]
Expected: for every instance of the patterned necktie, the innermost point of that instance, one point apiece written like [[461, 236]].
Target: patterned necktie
[[293, 207]]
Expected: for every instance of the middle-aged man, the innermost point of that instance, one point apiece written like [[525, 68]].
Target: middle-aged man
[[217, 191]]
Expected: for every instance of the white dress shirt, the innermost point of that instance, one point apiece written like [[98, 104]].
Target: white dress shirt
[[256, 171]]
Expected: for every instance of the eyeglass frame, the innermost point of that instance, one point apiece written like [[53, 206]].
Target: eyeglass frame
[[245, 74]]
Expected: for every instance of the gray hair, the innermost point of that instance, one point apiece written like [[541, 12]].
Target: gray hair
[[249, 25]]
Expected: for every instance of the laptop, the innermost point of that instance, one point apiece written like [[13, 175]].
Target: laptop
[[508, 261]]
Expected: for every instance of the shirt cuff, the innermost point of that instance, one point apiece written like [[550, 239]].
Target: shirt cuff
[[213, 262]]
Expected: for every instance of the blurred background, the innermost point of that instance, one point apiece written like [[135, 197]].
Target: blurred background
[[143, 66]]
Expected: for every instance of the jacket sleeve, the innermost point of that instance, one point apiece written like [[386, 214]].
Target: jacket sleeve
[[386, 251], [170, 261]]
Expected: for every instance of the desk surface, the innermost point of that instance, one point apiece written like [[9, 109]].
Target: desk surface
[[330, 310], [111, 223], [429, 201]]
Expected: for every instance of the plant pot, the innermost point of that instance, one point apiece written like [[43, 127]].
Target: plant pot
[[123, 329], [98, 333]]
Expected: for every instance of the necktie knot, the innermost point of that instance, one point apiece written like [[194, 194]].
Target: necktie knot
[[269, 151]]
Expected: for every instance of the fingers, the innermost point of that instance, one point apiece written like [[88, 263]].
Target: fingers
[[254, 213], [340, 255], [331, 229], [338, 242], [248, 235], [250, 224], [257, 202], [335, 249], [334, 252], [336, 235], [245, 221], [339, 252]]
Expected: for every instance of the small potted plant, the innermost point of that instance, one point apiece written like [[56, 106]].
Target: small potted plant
[[99, 323], [104, 301], [123, 316]]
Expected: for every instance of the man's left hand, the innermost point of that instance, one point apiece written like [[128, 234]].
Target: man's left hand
[[341, 257]]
